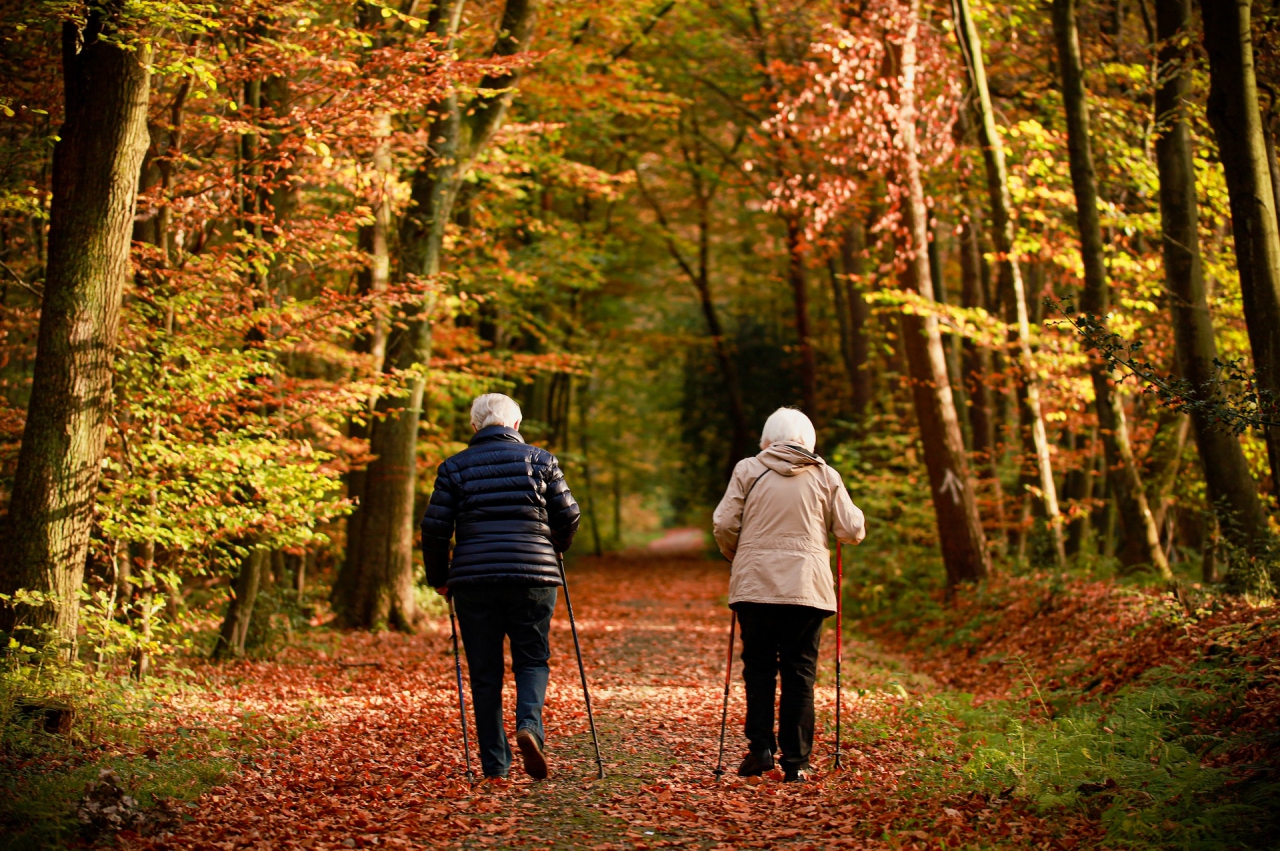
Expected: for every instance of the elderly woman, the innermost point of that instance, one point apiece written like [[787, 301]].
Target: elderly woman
[[773, 525]]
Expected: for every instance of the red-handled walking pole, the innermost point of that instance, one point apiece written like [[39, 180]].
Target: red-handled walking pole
[[839, 642]]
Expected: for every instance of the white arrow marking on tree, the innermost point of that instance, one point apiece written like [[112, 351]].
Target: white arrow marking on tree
[[951, 484]]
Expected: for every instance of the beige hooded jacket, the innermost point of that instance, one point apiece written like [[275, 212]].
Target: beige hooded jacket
[[778, 544]]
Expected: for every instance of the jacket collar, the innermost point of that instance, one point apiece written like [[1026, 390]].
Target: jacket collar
[[495, 432]]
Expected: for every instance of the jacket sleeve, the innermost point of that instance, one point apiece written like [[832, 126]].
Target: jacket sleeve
[[726, 522], [563, 514], [437, 529], [845, 519]]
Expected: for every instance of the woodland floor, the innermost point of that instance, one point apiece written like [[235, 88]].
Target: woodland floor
[[378, 760]]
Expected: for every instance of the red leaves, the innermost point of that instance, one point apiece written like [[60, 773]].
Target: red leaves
[[381, 764]]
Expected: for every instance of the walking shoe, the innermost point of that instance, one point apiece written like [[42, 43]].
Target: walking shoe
[[756, 763], [797, 775], [535, 761]]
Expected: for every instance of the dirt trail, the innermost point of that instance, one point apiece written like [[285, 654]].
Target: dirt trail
[[381, 764]]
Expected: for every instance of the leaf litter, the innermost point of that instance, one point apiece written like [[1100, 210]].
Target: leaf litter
[[382, 762]]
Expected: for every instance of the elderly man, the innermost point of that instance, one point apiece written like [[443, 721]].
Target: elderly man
[[509, 506]]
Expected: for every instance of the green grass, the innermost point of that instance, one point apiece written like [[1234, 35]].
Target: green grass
[[38, 802]]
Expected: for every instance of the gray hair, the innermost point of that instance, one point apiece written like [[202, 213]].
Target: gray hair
[[494, 409], [788, 424]]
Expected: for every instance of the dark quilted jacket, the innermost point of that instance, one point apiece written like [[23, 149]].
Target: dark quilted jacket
[[510, 508]]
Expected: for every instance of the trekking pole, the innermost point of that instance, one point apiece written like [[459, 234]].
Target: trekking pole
[[728, 675], [462, 701], [839, 643], [586, 695]]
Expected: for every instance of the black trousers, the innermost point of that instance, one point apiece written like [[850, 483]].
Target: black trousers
[[780, 640]]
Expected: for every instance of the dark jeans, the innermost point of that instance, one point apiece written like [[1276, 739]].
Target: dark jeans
[[487, 614], [780, 639]]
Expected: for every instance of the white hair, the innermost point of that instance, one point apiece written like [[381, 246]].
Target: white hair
[[788, 424], [494, 409]]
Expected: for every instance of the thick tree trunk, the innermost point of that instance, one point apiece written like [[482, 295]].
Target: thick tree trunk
[[1232, 492], [375, 586], [1002, 235], [800, 301], [1233, 113], [963, 544], [96, 163], [1142, 537], [235, 625]]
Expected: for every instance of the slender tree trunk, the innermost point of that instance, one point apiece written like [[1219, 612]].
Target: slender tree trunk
[[800, 299], [858, 316], [376, 582], [584, 412], [1233, 113], [976, 366], [1232, 492], [976, 358], [1142, 537], [235, 626], [1002, 234], [963, 544], [96, 163]]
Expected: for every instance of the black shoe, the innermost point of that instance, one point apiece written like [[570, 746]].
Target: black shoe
[[756, 763], [797, 775], [535, 761]]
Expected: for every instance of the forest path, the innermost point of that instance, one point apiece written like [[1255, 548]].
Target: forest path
[[380, 761]]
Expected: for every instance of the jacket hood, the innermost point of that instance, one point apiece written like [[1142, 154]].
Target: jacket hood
[[495, 432], [789, 459]]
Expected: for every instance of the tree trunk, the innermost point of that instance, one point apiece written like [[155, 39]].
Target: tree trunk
[[235, 626], [1142, 537], [976, 358], [1232, 492], [1233, 113], [96, 163], [976, 365], [376, 279], [800, 299], [963, 544], [857, 313], [1002, 235], [375, 586]]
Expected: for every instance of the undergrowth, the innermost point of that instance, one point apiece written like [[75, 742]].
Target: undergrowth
[[62, 725], [1151, 764], [1179, 755]]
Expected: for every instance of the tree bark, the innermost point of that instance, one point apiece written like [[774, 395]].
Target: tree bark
[[963, 544], [800, 301], [1234, 115], [377, 581], [235, 625], [976, 359], [1010, 272], [1142, 537], [857, 314], [1232, 492], [96, 163]]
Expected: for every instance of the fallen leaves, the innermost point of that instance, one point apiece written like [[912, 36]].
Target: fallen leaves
[[382, 765]]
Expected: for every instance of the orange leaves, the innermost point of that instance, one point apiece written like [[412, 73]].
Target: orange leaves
[[380, 761]]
